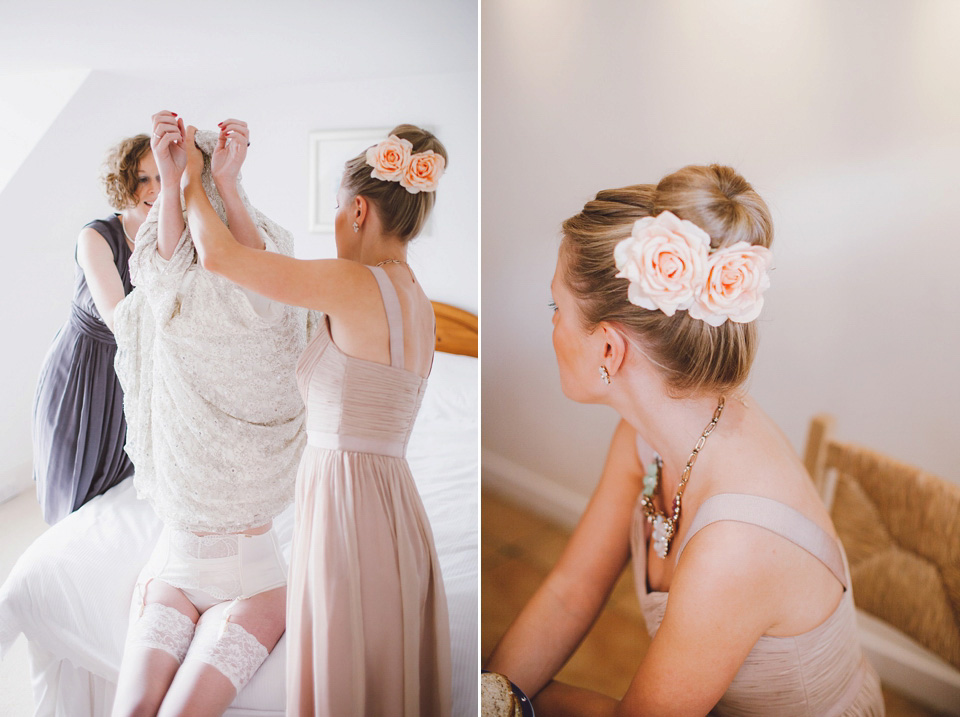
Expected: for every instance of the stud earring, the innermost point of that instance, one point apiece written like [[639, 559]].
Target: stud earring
[[356, 227], [604, 375]]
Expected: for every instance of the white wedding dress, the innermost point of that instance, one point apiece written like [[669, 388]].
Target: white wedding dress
[[215, 422]]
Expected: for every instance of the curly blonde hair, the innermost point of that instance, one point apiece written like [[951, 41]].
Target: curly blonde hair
[[401, 213], [695, 356], [118, 175]]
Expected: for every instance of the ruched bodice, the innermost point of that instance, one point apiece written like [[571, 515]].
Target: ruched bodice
[[354, 404], [84, 314], [819, 672]]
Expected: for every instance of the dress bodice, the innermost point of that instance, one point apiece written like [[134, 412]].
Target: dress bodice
[[819, 672], [84, 315], [358, 405]]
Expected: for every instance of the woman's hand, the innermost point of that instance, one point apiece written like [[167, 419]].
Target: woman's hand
[[167, 145], [230, 152]]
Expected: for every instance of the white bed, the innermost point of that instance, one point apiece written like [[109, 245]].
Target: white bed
[[70, 592]]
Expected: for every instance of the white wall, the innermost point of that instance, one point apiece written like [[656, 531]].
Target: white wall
[[846, 119], [281, 120], [55, 192]]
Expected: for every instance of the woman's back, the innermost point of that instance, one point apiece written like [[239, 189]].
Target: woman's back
[[358, 403], [363, 332]]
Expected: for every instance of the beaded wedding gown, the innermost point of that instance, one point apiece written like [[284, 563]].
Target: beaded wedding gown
[[214, 417]]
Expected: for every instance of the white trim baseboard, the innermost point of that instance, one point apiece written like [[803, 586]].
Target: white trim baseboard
[[908, 667], [15, 480], [531, 490]]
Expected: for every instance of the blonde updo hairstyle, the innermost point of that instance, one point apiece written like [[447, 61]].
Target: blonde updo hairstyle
[[401, 213], [118, 175], [695, 358]]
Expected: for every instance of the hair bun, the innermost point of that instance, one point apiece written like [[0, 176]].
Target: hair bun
[[719, 201]]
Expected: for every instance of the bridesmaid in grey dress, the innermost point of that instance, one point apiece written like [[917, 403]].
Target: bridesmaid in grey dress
[[78, 425]]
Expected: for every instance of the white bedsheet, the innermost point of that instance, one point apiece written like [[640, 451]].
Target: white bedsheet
[[70, 592]]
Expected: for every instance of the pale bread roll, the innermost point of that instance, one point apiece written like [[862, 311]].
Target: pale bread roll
[[497, 698]]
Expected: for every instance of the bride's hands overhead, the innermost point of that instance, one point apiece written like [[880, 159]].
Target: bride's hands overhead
[[230, 151], [167, 144]]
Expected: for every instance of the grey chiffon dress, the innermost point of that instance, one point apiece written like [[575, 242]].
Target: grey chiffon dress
[[78, 425]]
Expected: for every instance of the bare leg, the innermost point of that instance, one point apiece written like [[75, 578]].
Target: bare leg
[[146, 672], [201, 689]]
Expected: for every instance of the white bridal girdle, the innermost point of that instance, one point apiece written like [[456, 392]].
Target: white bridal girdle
[[215, 421]]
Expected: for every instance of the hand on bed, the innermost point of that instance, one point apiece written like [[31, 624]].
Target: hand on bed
[[230, 152], [167, 145]]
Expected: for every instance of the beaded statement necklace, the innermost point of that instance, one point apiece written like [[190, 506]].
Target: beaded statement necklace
[[664, 526]]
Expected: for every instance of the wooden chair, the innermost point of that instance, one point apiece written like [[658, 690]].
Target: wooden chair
[[900, 528]]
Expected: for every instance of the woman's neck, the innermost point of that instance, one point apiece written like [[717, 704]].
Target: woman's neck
[[383, 250], [672, 426], [130, 223]]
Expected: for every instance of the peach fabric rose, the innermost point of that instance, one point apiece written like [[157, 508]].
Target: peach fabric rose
[[736, 279], [423, 173], [389, 158], [665, 261]]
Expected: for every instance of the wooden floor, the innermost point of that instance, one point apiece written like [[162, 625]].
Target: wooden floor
[[517, 550]]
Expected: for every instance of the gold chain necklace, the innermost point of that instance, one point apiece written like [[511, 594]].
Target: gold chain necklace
[[664, 526]]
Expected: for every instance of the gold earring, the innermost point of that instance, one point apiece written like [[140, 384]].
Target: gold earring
[[604, 375], [356, 227]]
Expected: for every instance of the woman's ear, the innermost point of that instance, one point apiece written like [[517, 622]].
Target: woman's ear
[[613, 348], [360, 209]]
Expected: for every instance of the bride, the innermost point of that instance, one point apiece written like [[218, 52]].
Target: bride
[[215, 430]]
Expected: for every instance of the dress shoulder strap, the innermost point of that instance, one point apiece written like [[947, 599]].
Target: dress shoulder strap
[[112, 232], [391, 304], [776, 517]]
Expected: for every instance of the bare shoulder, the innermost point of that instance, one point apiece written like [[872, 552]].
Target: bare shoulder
[[760, 460], [93, 249], [89, 236], [728, 565]]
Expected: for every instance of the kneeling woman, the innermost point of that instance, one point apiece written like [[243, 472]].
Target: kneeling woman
[[742, 581]]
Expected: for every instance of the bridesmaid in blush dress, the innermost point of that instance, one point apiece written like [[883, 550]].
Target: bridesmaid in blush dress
[[743, 582], [367, 624]]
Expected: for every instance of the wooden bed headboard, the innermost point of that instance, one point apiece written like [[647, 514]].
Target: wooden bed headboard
[[457, 330]]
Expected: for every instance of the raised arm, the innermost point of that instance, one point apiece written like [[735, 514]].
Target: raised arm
[[228, 157], [560, 613], [335, 286], [167, 143], [96, 259]]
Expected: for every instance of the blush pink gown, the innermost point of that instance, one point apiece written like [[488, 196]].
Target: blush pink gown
[[367, 625]]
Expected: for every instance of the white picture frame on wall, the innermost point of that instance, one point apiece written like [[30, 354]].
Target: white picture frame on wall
[[329, 150]]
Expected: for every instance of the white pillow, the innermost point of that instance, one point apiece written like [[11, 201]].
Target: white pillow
[[452, 390]]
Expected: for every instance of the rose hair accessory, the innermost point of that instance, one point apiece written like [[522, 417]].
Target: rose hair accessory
[[670, 267], [393, 161]]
